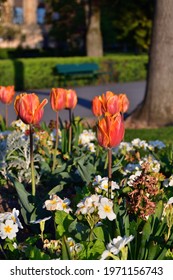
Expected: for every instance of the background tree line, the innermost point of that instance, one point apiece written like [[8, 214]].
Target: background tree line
[[93, 27]]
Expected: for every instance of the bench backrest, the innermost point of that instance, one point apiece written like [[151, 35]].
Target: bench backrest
[[77, 68]]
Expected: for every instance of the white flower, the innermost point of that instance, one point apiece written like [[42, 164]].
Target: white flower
[[21, 125], [126, 146], [138, 143], [88, 204], [86, 137], [97, 180], [4, 216], [14, 216], [170, 201], [64, 205], [8, 229], [51, 204], [91, 147], [156, 144], [56, 203], [41, 220], [116, 245], [105, 209], [102, 183], [53, 135], [71, 243], [171, 181], [154, 164], [74, 247], [130, 167], [133, 177]]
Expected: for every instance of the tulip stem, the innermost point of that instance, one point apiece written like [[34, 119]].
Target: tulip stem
[[109, 172], [56, 142], [32, 160], [6, 115], [70, 131]]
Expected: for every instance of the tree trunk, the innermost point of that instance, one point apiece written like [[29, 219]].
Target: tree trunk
[[157, 107], [94, 44], [30, 12]]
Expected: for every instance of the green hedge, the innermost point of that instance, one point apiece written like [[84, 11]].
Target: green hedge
[[37, 73]]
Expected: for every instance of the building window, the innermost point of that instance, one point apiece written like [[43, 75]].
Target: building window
[[41, 11], [18, 15]]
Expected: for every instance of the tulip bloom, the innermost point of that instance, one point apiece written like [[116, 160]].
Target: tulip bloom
[[123, 103], [97, 106], [110, 131], [106, 103], [57, 98], [28, 108], [70, 99], [109, 102], [7, 94]]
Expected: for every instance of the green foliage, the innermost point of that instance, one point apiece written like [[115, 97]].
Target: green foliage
[[133, 23], [38, 73]]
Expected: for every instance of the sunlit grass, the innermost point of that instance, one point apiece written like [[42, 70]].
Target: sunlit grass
[[164, 134]]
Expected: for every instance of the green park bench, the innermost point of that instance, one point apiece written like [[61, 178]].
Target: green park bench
[[72, 72]]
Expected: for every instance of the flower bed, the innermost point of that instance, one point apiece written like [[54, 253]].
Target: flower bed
[[74, 192]]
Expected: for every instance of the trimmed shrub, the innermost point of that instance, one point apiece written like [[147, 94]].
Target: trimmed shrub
[[36, 73]]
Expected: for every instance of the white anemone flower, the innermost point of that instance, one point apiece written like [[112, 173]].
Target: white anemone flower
[[115, 246], [8, 229], [105, 209]]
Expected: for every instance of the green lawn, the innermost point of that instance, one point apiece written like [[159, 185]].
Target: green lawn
[[164, 134]]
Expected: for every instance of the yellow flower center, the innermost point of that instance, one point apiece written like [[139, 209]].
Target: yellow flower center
[[53, 201], [105, 186], [107, 208], [64, 205], [13, 218], [7, 229]]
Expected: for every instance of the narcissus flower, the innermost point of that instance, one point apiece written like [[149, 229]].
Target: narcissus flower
[[6, 94], [57, 98], [110, 131], [28, 108], [70, 99]]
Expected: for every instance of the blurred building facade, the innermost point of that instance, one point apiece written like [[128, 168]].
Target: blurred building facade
[[22, 23]]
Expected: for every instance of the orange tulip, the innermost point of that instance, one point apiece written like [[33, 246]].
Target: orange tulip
[[110, 131], [6, 94], [123, 102], [70, 99], [109, 102], [97, 106], [57, 98], [28, 108], [106, 103]]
